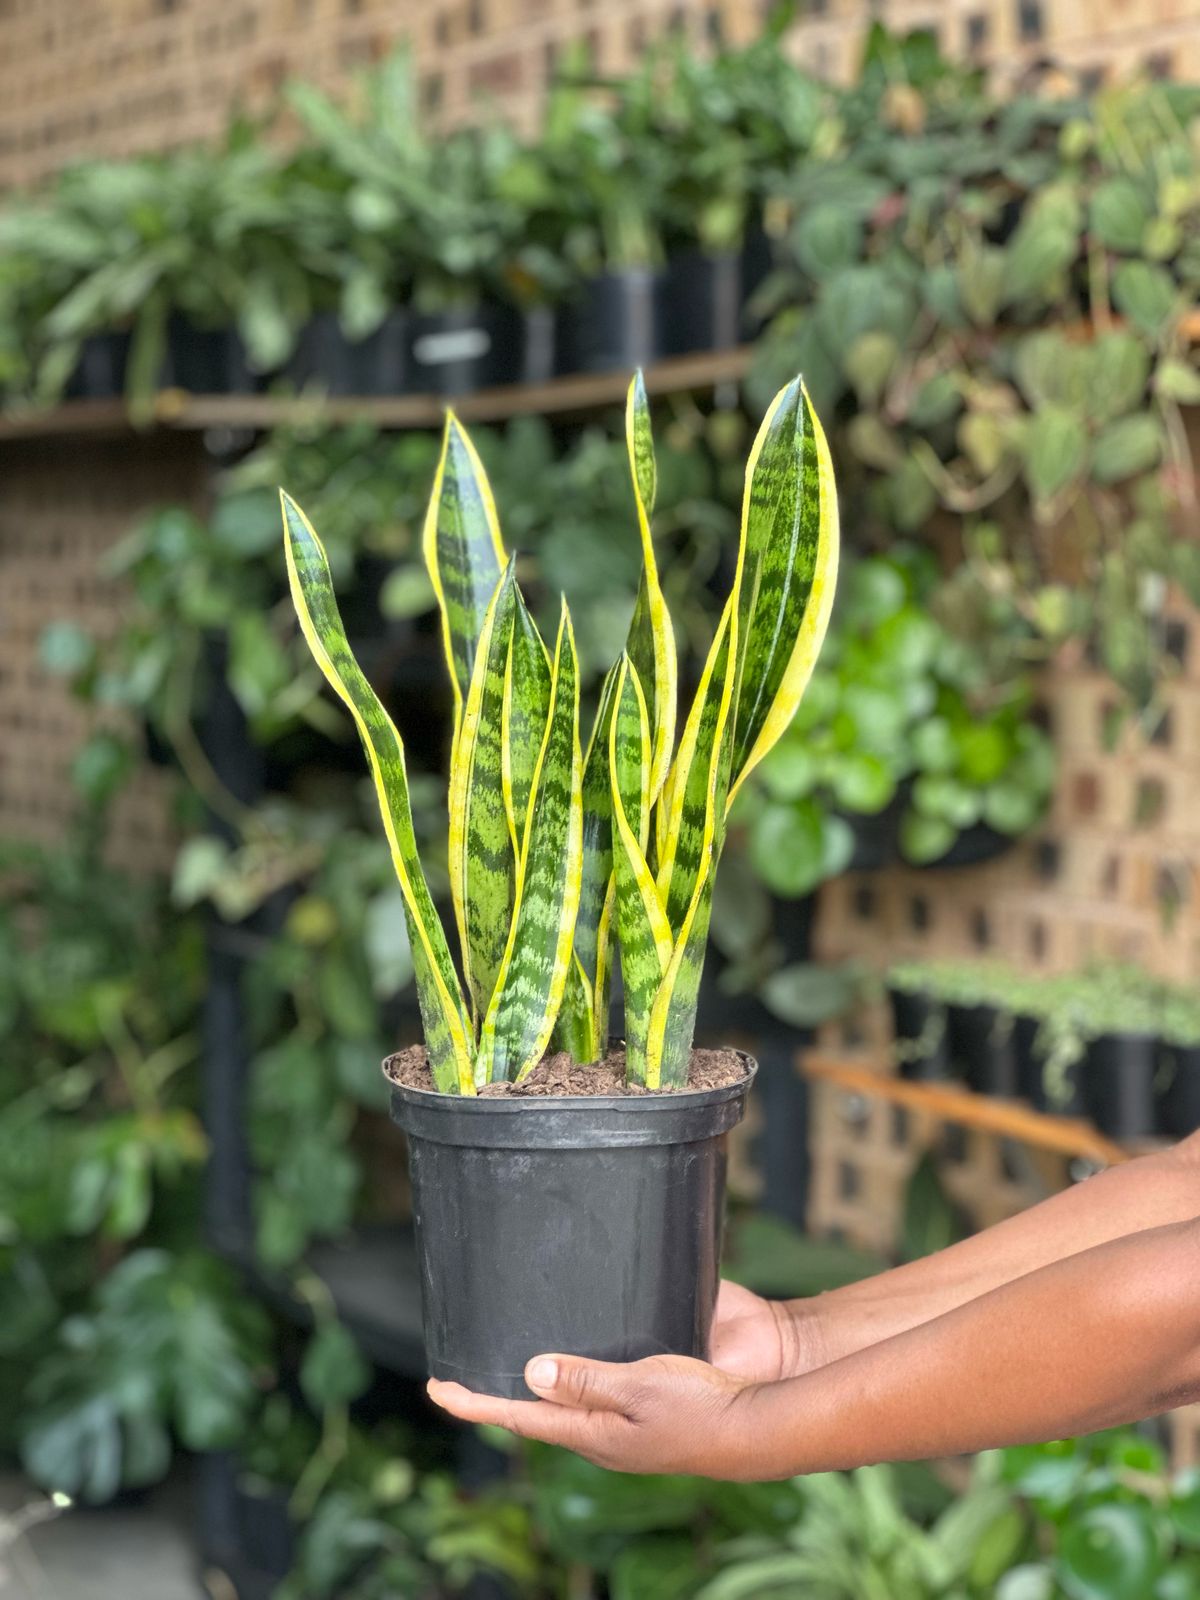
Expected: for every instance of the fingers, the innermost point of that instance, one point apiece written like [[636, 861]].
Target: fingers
[[529, 1418], [585, 1385]]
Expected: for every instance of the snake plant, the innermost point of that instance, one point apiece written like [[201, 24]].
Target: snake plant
[[559, 854]]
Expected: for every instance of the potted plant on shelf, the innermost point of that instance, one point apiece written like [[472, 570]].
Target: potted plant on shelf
[[612, 229], [573, 1199], [904, 749]]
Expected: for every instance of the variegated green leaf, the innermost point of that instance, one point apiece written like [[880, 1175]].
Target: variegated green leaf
[[526, 705], [787, 571], [682, 839], [696, 834], [642, 929], [651, 642], [533, 973], [590, 985], [482, 856], [443, 1010], [463, 552], [575, 1026]]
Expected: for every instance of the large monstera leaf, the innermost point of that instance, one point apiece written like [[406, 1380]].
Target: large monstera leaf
[[758, 667], [444, 1014]]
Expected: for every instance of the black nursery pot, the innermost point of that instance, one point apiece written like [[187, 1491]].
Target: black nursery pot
[[590, 1225], [915, 1019], [472, 347], [616, 324], [980, 1044], [376, 365], [100, 371], [702, 303], [208, 360], [1178, 1091], [1118, 1084]]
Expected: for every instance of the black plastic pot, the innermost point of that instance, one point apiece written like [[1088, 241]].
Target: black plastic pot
[[586, 1225], [758, 260], [1178, 1090], [376, 365], [980, 1044], [207, 360], [920, 1028], [473, 347], [702, 303], [100, 371], [615, 324], [1118, 1084], [1028, 1063]]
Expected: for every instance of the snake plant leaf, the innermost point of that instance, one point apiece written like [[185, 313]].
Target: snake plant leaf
[[651, 641], [463, 552], [787, 572], [448, 1034], [526, 707], [642, 929], [575, 1027], [683, 807], [697, 833], [533, 974], [583, 1021], [482, 855]]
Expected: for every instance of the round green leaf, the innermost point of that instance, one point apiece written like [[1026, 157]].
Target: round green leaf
[[1033, 1581], [1145, 293], [924, 839], [787, 847], [863, 783], [1127, 447], [1118, 214], [1055, 450], [1108, 1553]]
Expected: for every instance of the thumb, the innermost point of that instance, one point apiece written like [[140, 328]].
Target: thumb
[[574, 1381]]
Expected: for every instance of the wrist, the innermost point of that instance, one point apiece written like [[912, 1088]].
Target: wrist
[[807, 1337]]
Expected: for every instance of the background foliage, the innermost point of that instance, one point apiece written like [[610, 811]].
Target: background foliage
[[991, 306]]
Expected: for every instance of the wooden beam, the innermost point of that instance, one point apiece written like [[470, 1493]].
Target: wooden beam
[[579, 394], [949, 1103]]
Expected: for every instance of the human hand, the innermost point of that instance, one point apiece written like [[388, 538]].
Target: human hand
[[764, 1340], [663, 1414]]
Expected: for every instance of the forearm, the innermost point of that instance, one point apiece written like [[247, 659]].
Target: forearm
[[1104, 1337], [1151, 1192]]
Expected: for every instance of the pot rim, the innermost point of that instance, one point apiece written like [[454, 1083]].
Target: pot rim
[[572, 1122], [653, 1100]]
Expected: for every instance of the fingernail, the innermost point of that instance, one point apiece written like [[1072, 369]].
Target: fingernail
[[542, 1373]]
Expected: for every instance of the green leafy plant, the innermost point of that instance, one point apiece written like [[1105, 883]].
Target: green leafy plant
[[549, 849], [901, 715]]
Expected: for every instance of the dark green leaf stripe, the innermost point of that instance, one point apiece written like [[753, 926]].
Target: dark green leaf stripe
[[651, 641], [640, 441], [787, 571], [533, 974], [574, 1029], [643, 934], [526, 706], [683, 844], [463, 552], [591, 926], [479, 828], [699, 835], [443, 1010]]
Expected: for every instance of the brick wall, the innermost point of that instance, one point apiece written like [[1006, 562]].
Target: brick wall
[[107, 77]]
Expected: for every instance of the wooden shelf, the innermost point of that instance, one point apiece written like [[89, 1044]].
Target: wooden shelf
[[950, 1103], [175, 409]]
